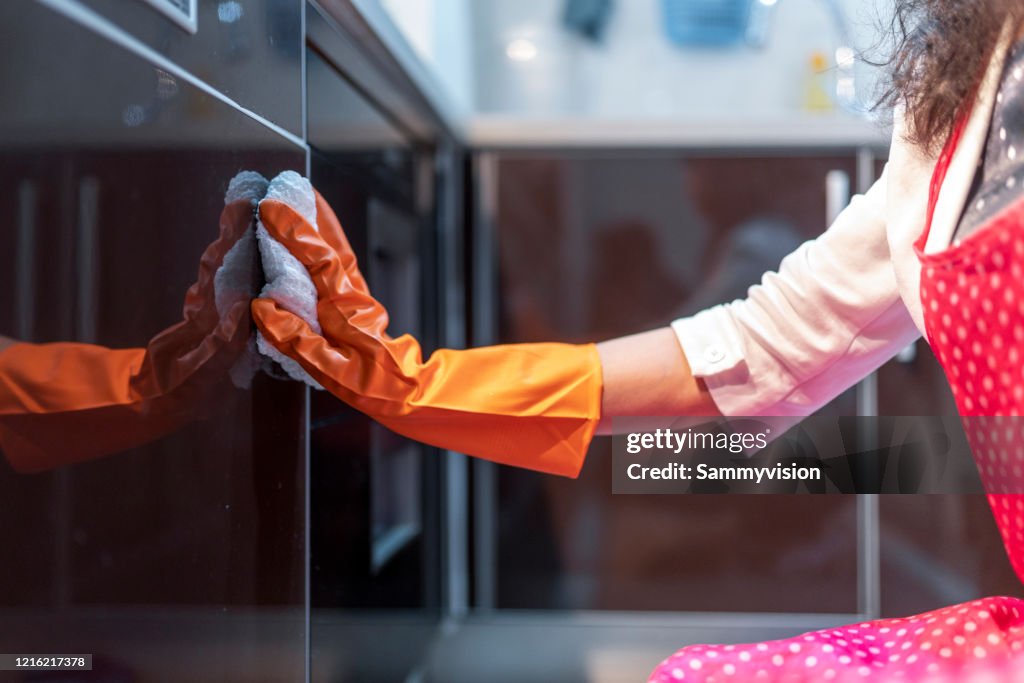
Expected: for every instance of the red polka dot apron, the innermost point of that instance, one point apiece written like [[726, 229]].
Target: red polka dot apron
[[973, 298], [972, 295]]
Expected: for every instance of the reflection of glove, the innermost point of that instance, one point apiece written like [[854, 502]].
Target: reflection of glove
[[65, 402], [529, 405]]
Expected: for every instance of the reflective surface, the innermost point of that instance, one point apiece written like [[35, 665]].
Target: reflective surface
[[248, 49], [629, 243], [936, 550], [375, 495], [165, 533]]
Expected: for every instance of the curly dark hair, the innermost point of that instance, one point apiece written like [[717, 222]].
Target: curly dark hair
[[941, 49]]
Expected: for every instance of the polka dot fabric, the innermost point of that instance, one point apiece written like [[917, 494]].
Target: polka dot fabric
[[973, 298], [976, 642], [1000, 175]]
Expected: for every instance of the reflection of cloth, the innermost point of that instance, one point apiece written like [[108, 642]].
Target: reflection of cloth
[[236, 279]]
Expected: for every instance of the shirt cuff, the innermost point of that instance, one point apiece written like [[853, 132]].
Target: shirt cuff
[[714, 350]]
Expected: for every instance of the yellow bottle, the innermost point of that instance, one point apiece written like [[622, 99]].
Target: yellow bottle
[[817, 94]]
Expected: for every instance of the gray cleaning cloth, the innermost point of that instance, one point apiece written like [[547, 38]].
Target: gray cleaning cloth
[[287, 281]]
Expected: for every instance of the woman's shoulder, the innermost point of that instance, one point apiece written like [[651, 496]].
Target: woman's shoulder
[[910, 156], [909, 168]]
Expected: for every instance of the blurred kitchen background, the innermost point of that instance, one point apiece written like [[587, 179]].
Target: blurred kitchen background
[[507, 170]]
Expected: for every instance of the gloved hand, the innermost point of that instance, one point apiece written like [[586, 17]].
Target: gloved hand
[[65, 402], [529, 405]]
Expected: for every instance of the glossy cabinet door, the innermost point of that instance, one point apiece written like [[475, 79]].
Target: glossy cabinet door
[[596, 245], [375, 544], [167, 541], [936, 550], [249, 50]]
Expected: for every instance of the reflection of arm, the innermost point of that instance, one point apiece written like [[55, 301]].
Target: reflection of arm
[[66, 402], [828, 317]]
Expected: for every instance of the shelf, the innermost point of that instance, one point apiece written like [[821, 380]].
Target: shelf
[[800, 131]]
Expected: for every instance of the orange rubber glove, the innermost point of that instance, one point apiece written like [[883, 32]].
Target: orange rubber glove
[[66, 402], [529, 405]]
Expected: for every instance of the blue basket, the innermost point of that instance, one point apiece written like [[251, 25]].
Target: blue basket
[[706, 23]]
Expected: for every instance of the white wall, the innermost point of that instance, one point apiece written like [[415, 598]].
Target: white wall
[[637, 72], [441, 33]]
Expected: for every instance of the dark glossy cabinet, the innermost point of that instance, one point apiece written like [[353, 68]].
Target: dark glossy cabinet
[[248, 50], [174, 556], [630, 241], [375, 522], [201, 544]]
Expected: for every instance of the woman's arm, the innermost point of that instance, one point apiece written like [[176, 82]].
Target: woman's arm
[[830, 315], [648, 374]]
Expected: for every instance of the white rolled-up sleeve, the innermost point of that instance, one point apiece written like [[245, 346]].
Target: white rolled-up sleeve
[[831, 315]]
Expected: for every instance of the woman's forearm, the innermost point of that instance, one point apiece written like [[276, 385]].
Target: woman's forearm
[[648, 374]]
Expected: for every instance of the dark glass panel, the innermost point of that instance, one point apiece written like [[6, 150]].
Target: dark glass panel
[[936, 550], [593, 246], [250, 50], [176, 551], [374, 495]]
